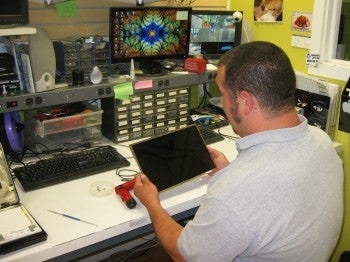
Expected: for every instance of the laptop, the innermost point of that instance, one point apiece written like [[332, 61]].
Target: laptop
[[173, 158]]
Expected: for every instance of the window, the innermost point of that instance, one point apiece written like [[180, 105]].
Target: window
[[324, 40]]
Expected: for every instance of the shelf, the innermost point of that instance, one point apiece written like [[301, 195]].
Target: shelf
[[17, 31], [18, 102]]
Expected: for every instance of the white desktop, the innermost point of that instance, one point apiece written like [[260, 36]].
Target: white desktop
[[108, 212], [115, 224]]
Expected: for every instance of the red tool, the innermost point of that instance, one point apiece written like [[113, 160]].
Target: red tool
[[123, 191], [129, 185]]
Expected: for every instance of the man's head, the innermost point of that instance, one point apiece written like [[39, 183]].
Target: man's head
[[260, 74]]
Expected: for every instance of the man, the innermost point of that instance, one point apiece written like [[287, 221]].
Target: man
[[281, 199]]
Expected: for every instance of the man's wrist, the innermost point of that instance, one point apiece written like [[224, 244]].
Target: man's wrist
[[154, 206]]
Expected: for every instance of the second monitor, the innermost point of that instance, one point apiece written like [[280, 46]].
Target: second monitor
[[213, 33]]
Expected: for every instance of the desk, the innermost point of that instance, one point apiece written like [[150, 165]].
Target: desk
[[69, 239]]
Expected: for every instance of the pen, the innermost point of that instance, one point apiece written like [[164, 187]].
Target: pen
[[71, 217]]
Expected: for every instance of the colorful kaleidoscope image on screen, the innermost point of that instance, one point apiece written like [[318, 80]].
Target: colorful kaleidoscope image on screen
[[148, 33]]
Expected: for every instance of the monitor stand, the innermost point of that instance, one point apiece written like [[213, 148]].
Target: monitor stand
[[152, 69]]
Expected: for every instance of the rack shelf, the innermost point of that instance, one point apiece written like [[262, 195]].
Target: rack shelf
[[17, 31], [19, 102]]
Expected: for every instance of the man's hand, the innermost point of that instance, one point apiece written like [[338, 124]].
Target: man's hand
[[219, 159], [146, 191], [166, 228]]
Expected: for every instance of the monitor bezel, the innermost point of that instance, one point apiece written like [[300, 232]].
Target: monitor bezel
[[115, 60]]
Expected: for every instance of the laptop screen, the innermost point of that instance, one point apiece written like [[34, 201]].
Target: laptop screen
[[173, 158]]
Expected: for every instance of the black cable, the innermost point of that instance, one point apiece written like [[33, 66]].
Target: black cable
[[206, 93], [202, 102], [227, 136], [126, 174], [206, 90], [74, 146]]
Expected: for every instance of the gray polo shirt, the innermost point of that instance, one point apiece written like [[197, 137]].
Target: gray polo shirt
[[281, 199]]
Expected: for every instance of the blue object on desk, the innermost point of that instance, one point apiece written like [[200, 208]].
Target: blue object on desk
[[71, 217], [202, 119]]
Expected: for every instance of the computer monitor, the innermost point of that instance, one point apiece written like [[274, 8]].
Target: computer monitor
[[213, 33], [14, 12], [148, 34]]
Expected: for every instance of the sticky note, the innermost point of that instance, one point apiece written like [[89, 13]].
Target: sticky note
[[123, 90], [143, 84], [67, 8]]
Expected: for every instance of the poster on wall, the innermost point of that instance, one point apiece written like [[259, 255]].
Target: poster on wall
[[301, 21], [268, 10]]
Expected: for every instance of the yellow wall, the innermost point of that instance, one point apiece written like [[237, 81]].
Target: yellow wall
[[280, 34]]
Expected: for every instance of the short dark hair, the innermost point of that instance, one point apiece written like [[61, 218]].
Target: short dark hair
[[262, 69]]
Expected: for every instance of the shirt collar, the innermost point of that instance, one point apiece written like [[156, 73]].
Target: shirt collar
[[273, 136]]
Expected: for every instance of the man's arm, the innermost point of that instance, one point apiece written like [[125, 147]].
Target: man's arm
[[165, 227]]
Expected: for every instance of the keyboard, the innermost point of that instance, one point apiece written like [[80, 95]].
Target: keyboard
[[209, 135], [65, 167]]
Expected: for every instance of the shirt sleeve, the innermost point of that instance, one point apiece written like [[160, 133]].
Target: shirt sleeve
[[216, 231]]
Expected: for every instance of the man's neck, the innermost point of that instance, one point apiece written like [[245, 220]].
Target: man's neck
[[264, 122]]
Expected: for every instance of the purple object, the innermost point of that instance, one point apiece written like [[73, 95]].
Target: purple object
[[14, 131]]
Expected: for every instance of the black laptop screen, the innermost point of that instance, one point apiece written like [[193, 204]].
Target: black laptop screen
[[173, 158]]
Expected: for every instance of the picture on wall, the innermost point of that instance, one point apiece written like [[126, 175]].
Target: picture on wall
[[301, 21], [268, 10]]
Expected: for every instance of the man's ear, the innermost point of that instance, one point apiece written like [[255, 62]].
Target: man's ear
[[247, 101]]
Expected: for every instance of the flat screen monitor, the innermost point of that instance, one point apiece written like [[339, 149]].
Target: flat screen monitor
[[14, 12], [213, 33], [149, 34], [174, 157]]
